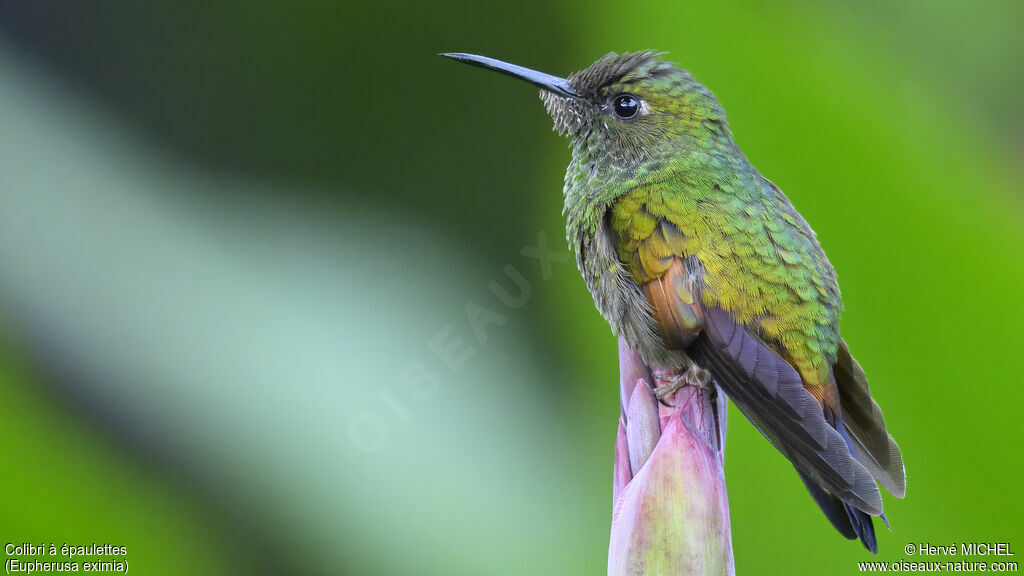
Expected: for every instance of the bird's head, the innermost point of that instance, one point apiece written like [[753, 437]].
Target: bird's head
[[623, 111]]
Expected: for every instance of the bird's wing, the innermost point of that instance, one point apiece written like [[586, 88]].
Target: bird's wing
[[871, 441], [744, 268], [772, 395]]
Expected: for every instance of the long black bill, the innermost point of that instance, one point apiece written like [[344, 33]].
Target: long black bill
[[546, 81]]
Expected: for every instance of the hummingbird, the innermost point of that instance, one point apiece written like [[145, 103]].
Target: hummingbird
[[704, 267]]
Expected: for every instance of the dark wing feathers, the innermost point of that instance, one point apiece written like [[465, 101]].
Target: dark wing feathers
[[874, 446], [771, 394]]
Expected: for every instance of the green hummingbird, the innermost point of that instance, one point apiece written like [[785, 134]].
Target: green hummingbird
[[704, 268]]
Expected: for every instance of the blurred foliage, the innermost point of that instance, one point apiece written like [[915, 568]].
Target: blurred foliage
[[333, 193]]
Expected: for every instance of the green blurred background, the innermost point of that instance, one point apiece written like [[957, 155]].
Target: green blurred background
[[230, 233]]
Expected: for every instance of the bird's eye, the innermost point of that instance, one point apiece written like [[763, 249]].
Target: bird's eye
[[626, 106]]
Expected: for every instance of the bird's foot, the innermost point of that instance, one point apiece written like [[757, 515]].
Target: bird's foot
[[693, 376]]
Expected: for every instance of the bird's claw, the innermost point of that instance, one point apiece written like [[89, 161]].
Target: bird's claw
[[694, 376]]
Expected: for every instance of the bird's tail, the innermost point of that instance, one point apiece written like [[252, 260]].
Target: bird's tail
[[863, 429], [848, 520]]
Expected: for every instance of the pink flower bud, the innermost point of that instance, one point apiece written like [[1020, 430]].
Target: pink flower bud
[[671, 511]]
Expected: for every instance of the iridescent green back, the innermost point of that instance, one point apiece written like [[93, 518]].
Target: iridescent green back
[[674, 184]]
